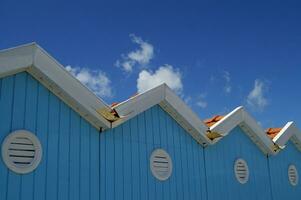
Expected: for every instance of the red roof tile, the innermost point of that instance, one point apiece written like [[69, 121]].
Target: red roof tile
[[210, 122], [272, 132]]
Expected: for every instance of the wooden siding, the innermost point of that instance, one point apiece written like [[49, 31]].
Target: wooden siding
[[80, 163], [281, 187], [125, 153], [70, 164], [221, 181]]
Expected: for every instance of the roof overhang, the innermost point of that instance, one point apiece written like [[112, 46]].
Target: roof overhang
[[288, 132], [169, 102], [240, 117], [33, 59]]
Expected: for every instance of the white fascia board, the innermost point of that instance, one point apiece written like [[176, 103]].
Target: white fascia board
[[261, 138], [37, 62], [285, 134], [240, 117], [289, 132], [138, 104], [15, 60], [179, 110], [171, 103], [229, 122]]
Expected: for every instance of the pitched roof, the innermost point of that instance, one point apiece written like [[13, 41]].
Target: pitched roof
[[33, 59]]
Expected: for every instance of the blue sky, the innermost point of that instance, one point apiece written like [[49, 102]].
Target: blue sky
[[215, 55]]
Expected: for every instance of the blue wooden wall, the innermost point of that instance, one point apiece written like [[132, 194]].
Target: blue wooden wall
[[221, 181], [125, 152], [80, 163], [281, 187], [70, 165]]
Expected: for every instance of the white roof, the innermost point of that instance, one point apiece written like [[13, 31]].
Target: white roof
[[33, 59]]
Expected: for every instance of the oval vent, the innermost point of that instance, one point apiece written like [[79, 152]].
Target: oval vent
[[241, 171], [161, 164], [293, 175], [21, 151]]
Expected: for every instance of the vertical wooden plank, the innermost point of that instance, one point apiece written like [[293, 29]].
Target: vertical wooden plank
[[30, 125], [94, 164], [151, 179], [135, 159], [127, 159], [143, 158], [110, 164], [149, 149], [75, 124], [14, 180], [6, 107], [42, 133], [0, 89], [84, 160], [173, 179], [190, 168], [102, 158], [164, 144], [185, 169], [157, 144], [63, 155], [118, 163], [149, 128], [141, 128], [53, 142], [156, 127], [178, 163]]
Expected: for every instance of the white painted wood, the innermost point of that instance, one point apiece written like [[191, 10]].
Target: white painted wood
[[34, 60]]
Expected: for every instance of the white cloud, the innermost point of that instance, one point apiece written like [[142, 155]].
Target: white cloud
[[96, 80], [227, 77], [256, 98], [140, 56], [165, 74], [201, 101]]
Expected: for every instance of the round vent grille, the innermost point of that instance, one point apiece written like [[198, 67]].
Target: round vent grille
[[241, 171], [21, 151], [293, 175], [161, 164]]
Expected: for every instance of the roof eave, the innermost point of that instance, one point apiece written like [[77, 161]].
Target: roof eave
[[37, 62], [162, 95], [239, 117]]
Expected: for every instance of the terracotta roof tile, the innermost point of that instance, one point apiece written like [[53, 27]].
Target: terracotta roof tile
[[114, 104], [210, 122], [272, 132]]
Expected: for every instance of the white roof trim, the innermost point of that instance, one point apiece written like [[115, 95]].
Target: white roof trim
[[37, 62], [289, 131], [239, 117], [33, 59], [171, 103]]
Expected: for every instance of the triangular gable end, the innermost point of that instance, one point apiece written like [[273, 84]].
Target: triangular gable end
[[31, 58], [288, 132], [168, 101], [240, 117]]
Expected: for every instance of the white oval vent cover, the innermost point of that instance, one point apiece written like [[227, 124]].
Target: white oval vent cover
[[161, 164], [293, 175], [21, 151], [241, 171]]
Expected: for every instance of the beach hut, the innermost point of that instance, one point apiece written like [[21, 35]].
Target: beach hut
[[60, 141]]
